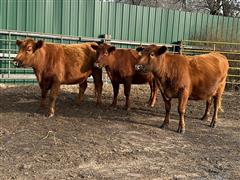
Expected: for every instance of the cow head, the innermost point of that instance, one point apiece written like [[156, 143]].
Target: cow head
[[150, 56], [104, 52], [26, 53]]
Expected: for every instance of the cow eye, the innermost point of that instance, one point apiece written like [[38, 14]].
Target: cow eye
[[29, 49], [106, 53], [152, 54]]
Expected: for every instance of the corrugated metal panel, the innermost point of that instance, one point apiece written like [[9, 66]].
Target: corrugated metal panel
[[122, 21]]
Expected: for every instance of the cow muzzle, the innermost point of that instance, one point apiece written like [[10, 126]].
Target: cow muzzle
[[17, 63], [97, 65], [139, 67]]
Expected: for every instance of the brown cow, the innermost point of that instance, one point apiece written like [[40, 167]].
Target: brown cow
[[119, 64], [201, 77], [56, 64]]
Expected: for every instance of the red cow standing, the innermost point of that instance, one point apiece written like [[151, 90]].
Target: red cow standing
[[56, 64], [120, 67], [201, 77]]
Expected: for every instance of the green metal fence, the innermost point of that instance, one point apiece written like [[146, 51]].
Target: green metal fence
[[8, 50], [128, 25], [89, 18], [230, 50]]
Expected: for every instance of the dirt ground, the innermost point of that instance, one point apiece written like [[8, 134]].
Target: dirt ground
[[92, 142]]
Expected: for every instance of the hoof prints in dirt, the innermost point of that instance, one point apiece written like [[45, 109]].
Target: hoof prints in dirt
[[85, 141]]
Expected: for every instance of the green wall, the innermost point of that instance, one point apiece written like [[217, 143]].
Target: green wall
[[127, 22]]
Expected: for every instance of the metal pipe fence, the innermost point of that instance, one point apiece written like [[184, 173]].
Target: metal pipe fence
[[229, 49], [8, 50]]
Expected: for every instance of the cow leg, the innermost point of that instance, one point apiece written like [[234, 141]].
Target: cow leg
[[127, 89], [217, 106], [153, 97], [53, 97], [115, 93], [82, 88], [167, 103], [207, 110], [183, 99], [97, 77], [44, 93]]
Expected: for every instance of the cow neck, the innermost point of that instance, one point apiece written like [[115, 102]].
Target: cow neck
[[39, 62], [164, 70], [112, 64]]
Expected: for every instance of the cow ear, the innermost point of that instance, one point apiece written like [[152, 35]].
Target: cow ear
[[161, 50], [111, 49], [94, 46], [140, 49], [18, 42], [39, 44]]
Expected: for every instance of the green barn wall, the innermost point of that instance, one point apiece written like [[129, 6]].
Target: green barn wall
[[91, 18]]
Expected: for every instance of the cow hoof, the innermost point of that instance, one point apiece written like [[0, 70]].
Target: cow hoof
[[213, 124], [204, 118], [127, 108], [40, 111], [150, 105], [98, 104], [113, 105], [49, 115], [77, 102], [181, 130], [164, 126]]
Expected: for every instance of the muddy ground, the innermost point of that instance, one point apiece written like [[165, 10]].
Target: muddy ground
[[102, 143]]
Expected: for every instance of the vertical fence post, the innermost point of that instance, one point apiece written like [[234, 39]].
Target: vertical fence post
[[181, 47], [9, 53], [107, 38]]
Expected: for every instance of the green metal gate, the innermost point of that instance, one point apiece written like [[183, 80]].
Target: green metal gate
[[8, 51], [230, 50]]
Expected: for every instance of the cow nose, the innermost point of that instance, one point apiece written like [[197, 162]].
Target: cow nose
[[16, 63], [139, 67], [97, 65]]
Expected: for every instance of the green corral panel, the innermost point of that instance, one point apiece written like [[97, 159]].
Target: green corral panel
[[145, 24], [235, 27], [119, 21], [111, 19], [230, 29], [82, 10], [151, 24], [132, 22], [74, 18], [139, 23], [181, 25], [164, 25], [157, 25], [129, 22], [187, 25]]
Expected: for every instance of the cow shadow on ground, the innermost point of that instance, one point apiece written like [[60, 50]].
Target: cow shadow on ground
[[26, 100]]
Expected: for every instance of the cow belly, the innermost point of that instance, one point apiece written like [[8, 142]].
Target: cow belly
[[203, 94], [76, 79], [141, 78]]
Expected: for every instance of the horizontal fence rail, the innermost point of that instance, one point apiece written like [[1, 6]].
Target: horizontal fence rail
[[229, 49], [89, 18], [8, 50]]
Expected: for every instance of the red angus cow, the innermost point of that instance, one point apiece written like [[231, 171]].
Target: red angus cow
[[119, 64], [56, 64], [201, 77]]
